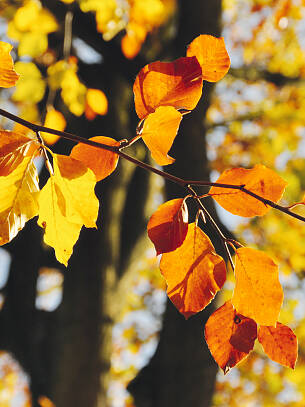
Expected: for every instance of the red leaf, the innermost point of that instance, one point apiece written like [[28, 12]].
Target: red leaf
[[168, 226], [230, 336], [177, 84]]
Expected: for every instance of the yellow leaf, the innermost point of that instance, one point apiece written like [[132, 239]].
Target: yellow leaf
[[32, 17], [13, 148], [66, 203], [18, 199], [97, 101], [159, 131], [258, 293], [73, 92], [8, 77], [33, 44], [54, 120], [30, 87]]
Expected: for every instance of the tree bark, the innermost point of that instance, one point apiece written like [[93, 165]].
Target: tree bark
[[182, 371]]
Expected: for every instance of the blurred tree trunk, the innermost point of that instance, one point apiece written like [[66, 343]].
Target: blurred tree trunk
[[67, 352]]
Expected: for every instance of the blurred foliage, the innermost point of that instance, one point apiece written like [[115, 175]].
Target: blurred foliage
[[257, 116]]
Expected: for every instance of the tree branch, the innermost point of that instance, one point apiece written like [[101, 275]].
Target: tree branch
[[180, 181]]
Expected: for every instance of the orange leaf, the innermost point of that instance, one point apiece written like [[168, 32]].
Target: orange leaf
[[212, 56], [159, 131], [101, 162], [258, 293], [279, 343], [13, 148], [97, 101], [260, 180], [177, 84], [193, 272], [8, 76], [54, 120], [230, 336], [167, 227]]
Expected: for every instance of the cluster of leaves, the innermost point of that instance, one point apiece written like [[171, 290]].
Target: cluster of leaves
[[194, 273], [44, 71]]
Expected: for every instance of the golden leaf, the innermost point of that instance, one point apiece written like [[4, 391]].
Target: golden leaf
[[18, 198], [66, 203], [8, 76], [258, 293]]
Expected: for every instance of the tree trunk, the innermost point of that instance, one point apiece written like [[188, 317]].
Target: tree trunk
[[67, 352]]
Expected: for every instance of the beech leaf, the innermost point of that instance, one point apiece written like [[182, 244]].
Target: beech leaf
[[279, 343], [159, 131], [18, 198], [212, 56], [260, 180], [230, 336], [14, 147], [8, 76], [193, 272], [66, 203], [258, 293], [177, 84], [167, 227], [101, 162]]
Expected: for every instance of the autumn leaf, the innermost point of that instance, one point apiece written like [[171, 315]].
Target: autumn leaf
[[159, 131], [260, 180], [258, 293], [54, 120], [193, 272], [19, 190], [177, 84], [230, 336], [66, 203], [167, 227], [212, 56], [101, 162], [279, 343], [8, 76], [14, 147]]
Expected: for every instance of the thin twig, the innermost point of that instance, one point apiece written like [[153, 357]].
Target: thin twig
[[117, 149], [208, 216]]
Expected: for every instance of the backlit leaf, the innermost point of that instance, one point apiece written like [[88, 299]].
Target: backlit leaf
[[177, 84], [31, 86], [159, 131], [8, 76], [212, 56], [101, 162], [258, 293], [193, 272], [260, 180], [54, 120], [167, 227], [279, 343], [230, 336], [13, 148], [66, 203], [18, 198]]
